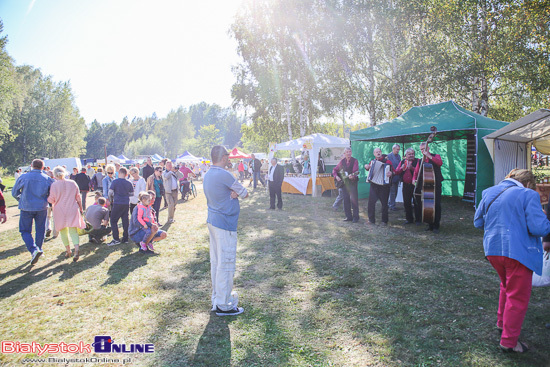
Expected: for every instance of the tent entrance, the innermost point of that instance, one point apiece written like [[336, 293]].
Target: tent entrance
[[471, 169]]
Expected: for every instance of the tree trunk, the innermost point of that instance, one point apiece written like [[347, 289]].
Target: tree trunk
[[288, 121], [475, 95], [392, 30], [484, 100], [302, 110], [370, 68]]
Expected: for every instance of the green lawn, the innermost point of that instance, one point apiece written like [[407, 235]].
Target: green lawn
[[316, 292], [9, 181]]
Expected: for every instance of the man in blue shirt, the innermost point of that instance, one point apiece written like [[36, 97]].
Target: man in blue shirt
[[32, 190], [222, 190], [121, 189]]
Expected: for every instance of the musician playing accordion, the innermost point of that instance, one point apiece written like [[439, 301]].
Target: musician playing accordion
[[380, 172], [347, 170]]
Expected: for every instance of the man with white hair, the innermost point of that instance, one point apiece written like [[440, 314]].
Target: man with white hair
[[378, 192], [394, 158]]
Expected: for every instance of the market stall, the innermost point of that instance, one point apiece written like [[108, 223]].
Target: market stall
[[467, 167], [237, 154], [303, 185], [510, 147], [312, 144]]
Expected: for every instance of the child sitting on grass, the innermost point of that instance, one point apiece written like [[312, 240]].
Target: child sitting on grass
[[146, 219]]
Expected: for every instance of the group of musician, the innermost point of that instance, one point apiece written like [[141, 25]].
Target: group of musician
[[384, 173]]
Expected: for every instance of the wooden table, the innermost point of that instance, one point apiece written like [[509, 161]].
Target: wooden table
[[297, 185]]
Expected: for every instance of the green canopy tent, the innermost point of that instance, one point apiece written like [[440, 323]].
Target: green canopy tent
[[467, 165]]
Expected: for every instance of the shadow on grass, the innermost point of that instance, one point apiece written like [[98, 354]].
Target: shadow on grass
[[125, 265], [13, 252], [91, 255], [215, 338]]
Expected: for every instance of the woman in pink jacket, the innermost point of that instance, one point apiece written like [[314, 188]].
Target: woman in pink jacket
[[67, 209]]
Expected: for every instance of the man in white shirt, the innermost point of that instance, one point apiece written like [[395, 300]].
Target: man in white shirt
[[90, 171]]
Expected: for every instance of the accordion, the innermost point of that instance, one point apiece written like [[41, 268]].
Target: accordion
[[378, 173]]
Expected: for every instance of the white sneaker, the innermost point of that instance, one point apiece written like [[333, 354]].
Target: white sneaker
[[233, 312], [113, 243], [35, 256]]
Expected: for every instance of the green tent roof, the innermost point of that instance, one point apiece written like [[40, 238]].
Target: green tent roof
[[452, 122]]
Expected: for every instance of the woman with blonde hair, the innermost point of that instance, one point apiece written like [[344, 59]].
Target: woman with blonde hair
[[511, 215], [67, 210], [108, 179]]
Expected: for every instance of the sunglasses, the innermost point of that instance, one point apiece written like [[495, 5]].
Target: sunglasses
[[110, 173]]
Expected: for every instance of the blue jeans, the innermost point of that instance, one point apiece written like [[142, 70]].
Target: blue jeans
[[258, 176], [393, 193], [142, 235], [339, 199], [25, 228]]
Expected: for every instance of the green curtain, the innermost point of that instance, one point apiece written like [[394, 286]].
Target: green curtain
[[452, 152]]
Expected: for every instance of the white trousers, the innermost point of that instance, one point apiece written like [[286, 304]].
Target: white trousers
[[223, 254], [172, 199]]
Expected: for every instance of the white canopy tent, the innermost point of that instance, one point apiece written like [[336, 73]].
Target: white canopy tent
[[510, 147], [189, 158], [312, 143], [110, 159]]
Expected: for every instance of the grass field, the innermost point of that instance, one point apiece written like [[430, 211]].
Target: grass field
[[316, 292]]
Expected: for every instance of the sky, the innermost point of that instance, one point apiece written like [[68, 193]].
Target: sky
[[127, 57]]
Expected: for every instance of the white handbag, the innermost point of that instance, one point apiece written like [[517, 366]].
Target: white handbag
[[543, 280]]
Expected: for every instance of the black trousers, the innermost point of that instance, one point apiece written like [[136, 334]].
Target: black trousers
[[409, 202], [437, 206], [120, 211], [156, 207], [351, 201], [382, 193], [99, 233], [275, 191]]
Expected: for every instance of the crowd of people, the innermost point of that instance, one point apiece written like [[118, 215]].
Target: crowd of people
[[55, 202], [509, 213]]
